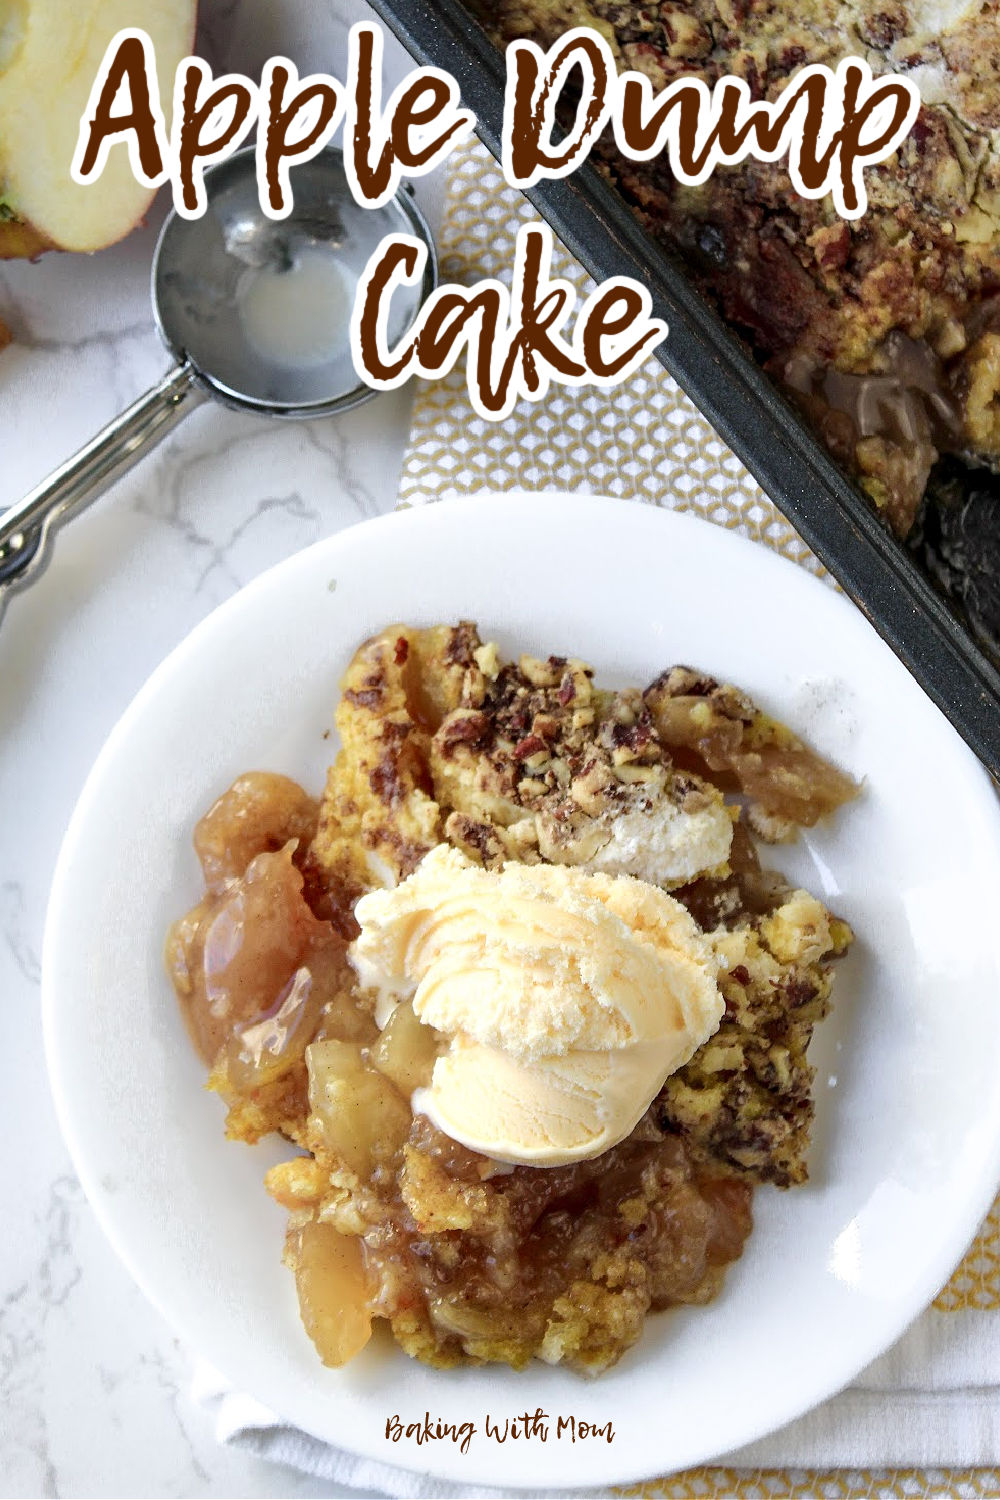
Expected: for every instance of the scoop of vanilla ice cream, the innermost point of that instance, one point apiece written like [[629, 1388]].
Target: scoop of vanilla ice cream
[[646, 835], [545, 1113], [566, 998]]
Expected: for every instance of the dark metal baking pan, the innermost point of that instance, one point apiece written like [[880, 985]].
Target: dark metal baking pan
[[789, 462]]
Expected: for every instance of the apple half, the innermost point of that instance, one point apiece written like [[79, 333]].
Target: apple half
[[50, 51]]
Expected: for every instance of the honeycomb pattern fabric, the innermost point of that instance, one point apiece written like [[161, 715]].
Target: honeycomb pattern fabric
[[823, 1484], [976, 1283], [642, 440]]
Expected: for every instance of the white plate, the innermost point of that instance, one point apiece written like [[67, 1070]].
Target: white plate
[[907, 1148]]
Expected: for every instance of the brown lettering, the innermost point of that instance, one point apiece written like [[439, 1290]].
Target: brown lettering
[[129, 64], [852, 148], [531, 107], [598, 325], [821, 159], [407, 116], [372, 178], [393, 255], [281, 116], [639, 135], [514, 341], [537, 317], [379, 149], [814, 166], [444, 322], [194, 118]]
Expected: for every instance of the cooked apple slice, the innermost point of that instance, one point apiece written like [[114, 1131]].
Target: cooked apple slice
[[50, 52]]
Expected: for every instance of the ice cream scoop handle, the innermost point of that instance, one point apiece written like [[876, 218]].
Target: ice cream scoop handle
[[27, 528]]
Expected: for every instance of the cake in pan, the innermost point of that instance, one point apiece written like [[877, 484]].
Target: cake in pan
[[884, 330]]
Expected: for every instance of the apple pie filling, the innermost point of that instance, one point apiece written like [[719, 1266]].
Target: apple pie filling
[[520, 990]]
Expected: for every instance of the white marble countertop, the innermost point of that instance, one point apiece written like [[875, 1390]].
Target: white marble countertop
[[93, 1386]]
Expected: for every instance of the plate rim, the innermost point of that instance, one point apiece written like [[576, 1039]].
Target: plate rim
[[936, 1271]]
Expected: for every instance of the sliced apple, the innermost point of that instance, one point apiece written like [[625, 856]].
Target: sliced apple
[[50, 51]]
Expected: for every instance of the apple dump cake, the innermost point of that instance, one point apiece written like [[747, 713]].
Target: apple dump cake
[[885, 330], [521, 991]]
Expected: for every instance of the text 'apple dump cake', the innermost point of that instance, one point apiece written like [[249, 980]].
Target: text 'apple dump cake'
[[520, 989], [885, 330]]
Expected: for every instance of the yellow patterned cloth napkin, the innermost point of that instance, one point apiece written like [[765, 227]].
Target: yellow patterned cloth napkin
[[935, 1398]]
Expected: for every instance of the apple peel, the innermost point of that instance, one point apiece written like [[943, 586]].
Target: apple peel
[[49, 56]]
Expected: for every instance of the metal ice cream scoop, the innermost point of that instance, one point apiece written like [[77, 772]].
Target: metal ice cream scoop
[[256, 313]]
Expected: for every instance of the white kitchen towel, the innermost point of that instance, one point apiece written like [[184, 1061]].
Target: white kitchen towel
[[931, 1403]]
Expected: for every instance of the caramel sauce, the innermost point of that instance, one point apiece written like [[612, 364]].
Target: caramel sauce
[[639, 1214], [234, 957], [260, 975]]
